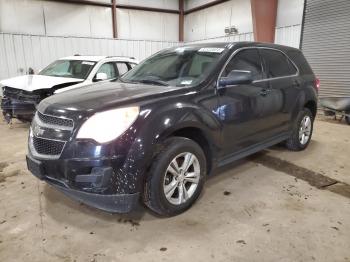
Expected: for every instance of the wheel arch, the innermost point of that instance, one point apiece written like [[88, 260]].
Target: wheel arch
[[198, 136], [312, 106]]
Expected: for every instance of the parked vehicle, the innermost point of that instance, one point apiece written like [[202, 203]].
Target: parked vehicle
[[334, 106], [157, 132], [22, 94]]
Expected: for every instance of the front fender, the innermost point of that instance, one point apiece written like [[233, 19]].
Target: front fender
[[156, 124]]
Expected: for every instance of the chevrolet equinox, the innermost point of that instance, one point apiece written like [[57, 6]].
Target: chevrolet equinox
[[156, 133]]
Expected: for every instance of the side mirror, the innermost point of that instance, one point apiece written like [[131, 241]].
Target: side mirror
[[236, 77], [100, 77]]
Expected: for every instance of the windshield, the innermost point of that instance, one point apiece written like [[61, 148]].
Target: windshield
[[69, 68], [183, 66]]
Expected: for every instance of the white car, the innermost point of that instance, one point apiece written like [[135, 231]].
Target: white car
[[21, 94]]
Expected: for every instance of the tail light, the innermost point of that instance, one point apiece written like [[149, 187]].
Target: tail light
[[317, 84]]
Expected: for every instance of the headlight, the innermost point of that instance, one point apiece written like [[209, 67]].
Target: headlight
[[106, 126]]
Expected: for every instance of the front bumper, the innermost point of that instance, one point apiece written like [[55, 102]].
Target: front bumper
[[114, 203], [17, 107]]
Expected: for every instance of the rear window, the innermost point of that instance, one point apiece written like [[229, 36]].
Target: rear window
[[299, 59], [277, 64]]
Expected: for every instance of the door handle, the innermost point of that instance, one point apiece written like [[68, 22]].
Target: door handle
[[265, 92]]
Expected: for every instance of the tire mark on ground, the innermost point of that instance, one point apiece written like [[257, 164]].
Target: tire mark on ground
[[315, 179]]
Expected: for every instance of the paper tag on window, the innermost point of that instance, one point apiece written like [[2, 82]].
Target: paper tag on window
[[211, 50], [186, 82], [87, 63]]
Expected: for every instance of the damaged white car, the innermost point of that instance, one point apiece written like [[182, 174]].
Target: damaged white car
[[21, 94]]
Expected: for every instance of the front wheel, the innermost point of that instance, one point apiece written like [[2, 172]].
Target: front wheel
[[176, 177], [302, 131]]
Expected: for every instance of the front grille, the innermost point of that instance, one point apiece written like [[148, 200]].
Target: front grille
[[21, 95], [55, 121], [47, 147]]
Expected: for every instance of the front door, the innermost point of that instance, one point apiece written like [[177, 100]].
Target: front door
[[246, 111]]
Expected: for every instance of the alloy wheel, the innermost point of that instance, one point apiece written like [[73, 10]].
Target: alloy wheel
[[181, 178], [305, 130]]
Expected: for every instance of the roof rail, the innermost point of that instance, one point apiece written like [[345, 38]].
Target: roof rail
[[131, 57]]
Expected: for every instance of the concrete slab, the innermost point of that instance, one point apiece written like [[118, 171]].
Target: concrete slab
[[328, 153], [247, 212]]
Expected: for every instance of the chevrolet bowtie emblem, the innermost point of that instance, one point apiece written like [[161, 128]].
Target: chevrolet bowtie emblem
[[38, 131]]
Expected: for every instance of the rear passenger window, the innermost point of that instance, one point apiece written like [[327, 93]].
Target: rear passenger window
[[277, 64], [122, 68], [299, 59], [246, 60]]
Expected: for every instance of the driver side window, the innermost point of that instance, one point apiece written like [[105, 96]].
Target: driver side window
[[246, 60], [108, 69]]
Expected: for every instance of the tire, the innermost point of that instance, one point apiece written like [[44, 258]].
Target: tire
[[347, 119], [160, 179], [295, 142]]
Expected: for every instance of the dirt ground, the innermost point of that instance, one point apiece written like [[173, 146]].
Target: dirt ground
[[273, 206]]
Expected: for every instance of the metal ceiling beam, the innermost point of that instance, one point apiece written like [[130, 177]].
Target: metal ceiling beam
[[83, 2], [151, 9], [205, 6], [132, 7], [113, 5]]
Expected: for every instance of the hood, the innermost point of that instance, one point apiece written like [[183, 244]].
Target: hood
[[104, 95], [34, 82]]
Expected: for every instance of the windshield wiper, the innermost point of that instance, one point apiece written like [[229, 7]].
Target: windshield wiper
[[124, 81], [152, 81]]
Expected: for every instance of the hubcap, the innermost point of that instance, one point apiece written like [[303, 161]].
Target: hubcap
[[181, 178], [305, 130]]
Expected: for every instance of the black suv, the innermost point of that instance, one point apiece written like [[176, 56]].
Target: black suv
[[157, 132]]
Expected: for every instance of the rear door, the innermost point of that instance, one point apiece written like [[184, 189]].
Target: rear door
[[245, 110], [284, 83]]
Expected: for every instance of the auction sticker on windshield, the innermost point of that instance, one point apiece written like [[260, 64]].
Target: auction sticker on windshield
[[211, 50]]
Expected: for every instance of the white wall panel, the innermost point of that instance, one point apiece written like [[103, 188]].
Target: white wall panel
[[19, 52], [101, 21], [289, 35], [189, 4], [288, 24], [147, 25], [231, 38], [67, 19], [50, 18], [166, 4], [21, 16], [211, 22], [289, 12]]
